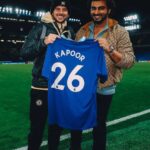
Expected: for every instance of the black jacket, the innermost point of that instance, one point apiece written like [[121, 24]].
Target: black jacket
[[34, 49]]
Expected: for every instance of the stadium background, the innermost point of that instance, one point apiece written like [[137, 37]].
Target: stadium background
[[17, 17]]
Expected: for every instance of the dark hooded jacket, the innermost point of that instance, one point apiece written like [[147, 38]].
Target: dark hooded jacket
[[34, 47]]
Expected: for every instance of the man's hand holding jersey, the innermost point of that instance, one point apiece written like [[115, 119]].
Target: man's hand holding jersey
[[50, 38]]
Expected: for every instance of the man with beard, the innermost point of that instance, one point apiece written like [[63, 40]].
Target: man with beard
[[54, 24], [118, 53]]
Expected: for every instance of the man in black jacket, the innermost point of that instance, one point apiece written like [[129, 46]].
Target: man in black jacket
[[55, 24]]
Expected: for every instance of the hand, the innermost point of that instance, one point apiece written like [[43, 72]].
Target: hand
[[104, 44], [50, 38]]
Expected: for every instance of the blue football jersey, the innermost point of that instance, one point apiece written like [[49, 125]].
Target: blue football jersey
[[73, 69]]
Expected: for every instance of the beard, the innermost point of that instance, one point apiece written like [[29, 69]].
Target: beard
[[101, 20]]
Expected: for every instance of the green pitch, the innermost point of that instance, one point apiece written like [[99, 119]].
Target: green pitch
[[132, 96]]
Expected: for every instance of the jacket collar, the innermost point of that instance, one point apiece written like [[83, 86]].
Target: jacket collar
[[111, 24]]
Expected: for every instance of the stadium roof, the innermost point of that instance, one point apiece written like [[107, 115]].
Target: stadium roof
[[79, 10], [122, 6]]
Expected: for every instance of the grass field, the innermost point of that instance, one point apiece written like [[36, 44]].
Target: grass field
[[133, 95]]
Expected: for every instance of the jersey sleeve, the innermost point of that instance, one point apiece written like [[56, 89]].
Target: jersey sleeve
[[46, 65], [102, 68]]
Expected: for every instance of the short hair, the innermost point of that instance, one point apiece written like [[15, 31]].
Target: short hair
[[110, 3]]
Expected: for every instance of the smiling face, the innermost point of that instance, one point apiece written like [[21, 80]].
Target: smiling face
[[60, 14], [99, 11]]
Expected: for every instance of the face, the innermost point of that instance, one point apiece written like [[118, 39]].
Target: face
[[60, 14], [99, 11]]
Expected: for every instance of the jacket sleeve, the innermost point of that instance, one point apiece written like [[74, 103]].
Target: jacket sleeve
[[124, 46], [33, 45]]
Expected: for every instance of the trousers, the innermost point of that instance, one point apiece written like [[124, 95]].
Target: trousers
[[38, 121]]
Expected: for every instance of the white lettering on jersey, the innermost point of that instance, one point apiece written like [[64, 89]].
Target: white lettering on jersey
[[56, 55], [71, 53]]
